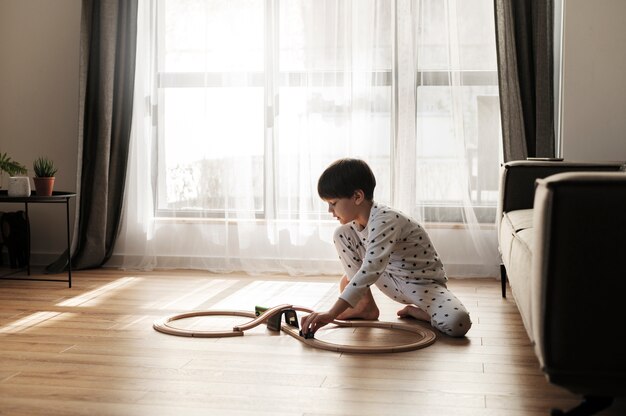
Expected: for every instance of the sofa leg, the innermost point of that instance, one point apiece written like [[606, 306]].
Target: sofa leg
[[503, 280], [589, 406]]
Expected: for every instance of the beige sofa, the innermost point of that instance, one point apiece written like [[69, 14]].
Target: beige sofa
[[562, 238]]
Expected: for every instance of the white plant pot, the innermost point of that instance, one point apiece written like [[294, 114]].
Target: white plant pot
[[19, 186]]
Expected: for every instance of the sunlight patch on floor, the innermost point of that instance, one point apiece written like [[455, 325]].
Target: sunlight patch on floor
[[272, 293], [30, 322], [194, 297], [97, 296]]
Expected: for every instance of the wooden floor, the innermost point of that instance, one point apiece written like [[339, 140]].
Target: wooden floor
[[91, 350]]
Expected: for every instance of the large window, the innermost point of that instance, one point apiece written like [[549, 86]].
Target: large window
[[211, 94], [256, 97]]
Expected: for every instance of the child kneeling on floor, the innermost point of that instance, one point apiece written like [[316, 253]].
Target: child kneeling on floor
[[382, 246]]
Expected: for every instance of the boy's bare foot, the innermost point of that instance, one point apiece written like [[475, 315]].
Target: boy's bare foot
[[414, 312], [365, 309], [370, 313]]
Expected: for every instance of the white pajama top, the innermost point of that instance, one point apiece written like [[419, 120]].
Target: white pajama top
[[394, 244]]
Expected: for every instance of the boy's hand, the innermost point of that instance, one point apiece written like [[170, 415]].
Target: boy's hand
[[314, 321], [311, 323]]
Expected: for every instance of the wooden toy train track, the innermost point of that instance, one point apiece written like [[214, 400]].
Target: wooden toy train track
[[272, 317]]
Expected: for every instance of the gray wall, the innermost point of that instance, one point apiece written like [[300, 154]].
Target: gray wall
[[593, 82], [39, 49]]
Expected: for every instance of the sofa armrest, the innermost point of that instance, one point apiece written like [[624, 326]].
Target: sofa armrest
[[517, 179], [578, 280]]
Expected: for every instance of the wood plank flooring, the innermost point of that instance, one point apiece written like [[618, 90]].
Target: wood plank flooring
[[91, 350]]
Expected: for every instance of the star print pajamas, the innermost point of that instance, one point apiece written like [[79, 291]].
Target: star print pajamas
[[395, 253]]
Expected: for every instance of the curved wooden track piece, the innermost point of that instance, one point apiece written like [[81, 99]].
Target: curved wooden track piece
[[263, 317], [162, 325], [425, 337]]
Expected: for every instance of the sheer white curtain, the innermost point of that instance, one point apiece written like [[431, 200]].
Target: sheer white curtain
[[447, 127], [241, 104]]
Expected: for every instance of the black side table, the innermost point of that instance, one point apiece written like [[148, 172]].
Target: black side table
[[56, 198]]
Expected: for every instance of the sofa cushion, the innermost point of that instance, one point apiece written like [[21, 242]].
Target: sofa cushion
[[521, 219], [516, 245], [518, 271], [513, 222]]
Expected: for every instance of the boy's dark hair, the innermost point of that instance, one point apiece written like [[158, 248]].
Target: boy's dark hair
[[345, 176]]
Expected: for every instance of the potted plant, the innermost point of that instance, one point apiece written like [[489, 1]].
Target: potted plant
[[44, 176], [10, 166]]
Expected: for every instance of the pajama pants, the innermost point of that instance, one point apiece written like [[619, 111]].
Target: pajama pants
[[447, 313]]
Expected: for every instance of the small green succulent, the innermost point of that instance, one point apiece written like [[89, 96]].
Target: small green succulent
[[44, 167]]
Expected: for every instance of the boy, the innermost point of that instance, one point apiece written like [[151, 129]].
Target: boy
[[379, 245]]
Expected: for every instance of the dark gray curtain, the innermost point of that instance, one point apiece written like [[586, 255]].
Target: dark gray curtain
[[107, 71], [524, 38]]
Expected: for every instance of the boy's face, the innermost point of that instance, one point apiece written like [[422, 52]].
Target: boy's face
[[344, 209]]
